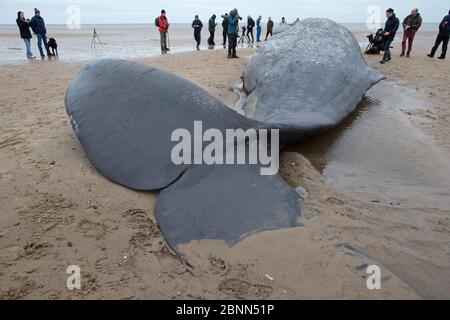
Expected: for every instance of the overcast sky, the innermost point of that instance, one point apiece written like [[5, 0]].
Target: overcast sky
[[144, 11]]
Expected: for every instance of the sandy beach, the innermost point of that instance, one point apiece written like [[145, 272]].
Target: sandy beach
[[56, 210]]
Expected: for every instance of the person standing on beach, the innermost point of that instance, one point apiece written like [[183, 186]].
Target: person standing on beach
[[390, 29], [37, 24], [233, 29], [163, 27], [198, 26], [250, 26], [225, 29], [25, 34], [212, 29], [269, 28], [411, 24], [443, 36], [258, 29]]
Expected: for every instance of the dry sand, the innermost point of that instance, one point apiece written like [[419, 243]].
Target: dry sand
[[56, 210]]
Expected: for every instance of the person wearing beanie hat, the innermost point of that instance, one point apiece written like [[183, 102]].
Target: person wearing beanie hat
[[37, 24], [443, 36], [163, 27]]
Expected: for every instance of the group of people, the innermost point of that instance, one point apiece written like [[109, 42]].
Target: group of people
[[37, 25], [411, 24], [230, 26], [230, 30]]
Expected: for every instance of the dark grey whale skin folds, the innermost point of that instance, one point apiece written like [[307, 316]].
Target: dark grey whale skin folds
[[303, 82], [124, 113]]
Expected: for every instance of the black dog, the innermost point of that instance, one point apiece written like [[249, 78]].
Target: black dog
[[53, 45]]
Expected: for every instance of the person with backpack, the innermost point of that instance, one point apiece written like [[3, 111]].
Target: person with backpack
[[198, 26], [269, 28], [163, 27], [225, 29], [25, 34], [443, 36], [258, 29], [250, 26], [212, 29], [411, 25], [390, 29], [37, 24]]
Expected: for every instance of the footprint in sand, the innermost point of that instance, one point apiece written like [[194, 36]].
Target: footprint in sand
[[242, 289], [218, 266], [91, 229]]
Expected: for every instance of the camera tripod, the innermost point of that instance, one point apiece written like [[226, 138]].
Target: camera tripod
[[242, 38], [95, 38]]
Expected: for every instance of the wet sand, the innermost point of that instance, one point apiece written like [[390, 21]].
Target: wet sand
[[56, 210]]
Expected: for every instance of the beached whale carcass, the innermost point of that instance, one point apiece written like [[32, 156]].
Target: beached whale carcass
[[307, 78], [124, 114]]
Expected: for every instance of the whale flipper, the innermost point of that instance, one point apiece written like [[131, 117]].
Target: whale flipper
[[124, 114], [226, 202]]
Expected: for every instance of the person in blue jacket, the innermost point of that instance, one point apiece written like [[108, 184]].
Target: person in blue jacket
[[37, 24], [390, 29], [233, 30], [443, 36], [258, 29]]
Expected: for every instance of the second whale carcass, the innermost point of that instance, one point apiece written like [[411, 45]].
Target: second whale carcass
[[302, 82], [307, 78]]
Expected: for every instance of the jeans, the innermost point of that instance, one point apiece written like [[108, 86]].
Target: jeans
[[258, 34], [410, 38], [269, 31], [387, 45], [442, 37], [211, 38], [163, 40], [28, 47], [42, 38], [224, 34], [250, 32], [198, 38], [232, 42]]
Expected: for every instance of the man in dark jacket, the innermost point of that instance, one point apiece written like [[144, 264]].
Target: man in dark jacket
[[37, 24], [390, 29], [411, 24], [443, 36], [250, 26], [225, 29], [25, 34], [198, 26], [269, 28], [233, 30], [212, 29]]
